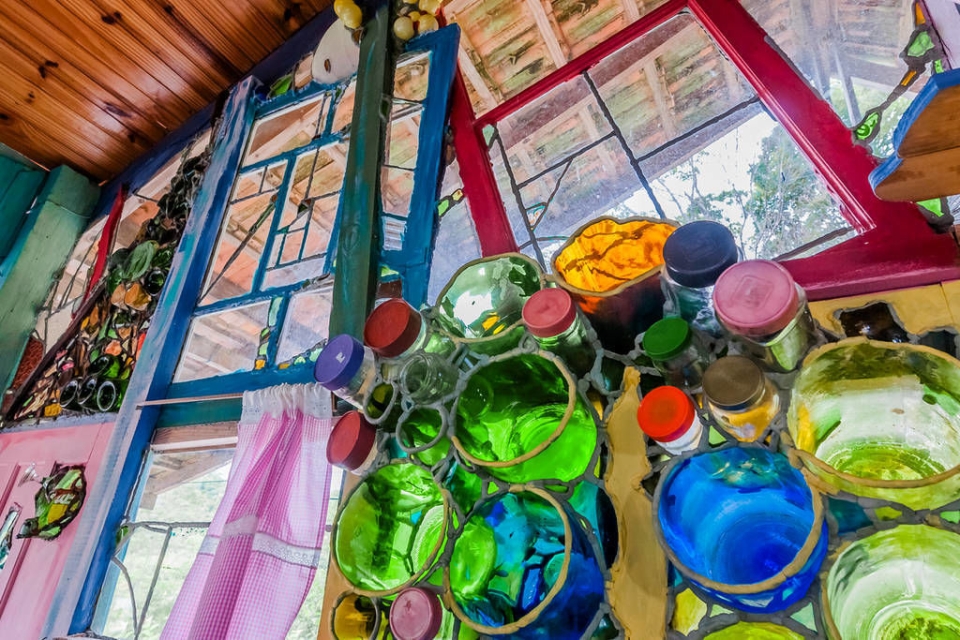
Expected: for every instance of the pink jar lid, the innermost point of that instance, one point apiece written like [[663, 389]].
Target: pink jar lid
[[756, 298], [549, 312], [416, 614]]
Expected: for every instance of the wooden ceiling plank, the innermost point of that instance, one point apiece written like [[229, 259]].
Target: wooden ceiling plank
[[22, 68], [194, 43], [197, 60], [187, 14], [140, 53], [73, 130], [631, 10], [232, 20], [60, 48], [23, 134], [271, 13]]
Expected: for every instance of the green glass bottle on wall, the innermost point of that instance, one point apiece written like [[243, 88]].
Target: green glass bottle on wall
[[391, 529], [521, 417]]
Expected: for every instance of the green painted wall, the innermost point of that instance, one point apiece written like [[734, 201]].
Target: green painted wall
[[40, 250], [19, 182]]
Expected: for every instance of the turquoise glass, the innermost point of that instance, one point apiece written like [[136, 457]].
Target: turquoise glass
[[743, 526], [897, 584], [506, 574]]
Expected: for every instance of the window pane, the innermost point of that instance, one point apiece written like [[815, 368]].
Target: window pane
[[305, 326], [243, 238], [507, 46], [344, 111], [690, 141], [223, 342], [850, 52], [285, 130], [181, 488], [457, 242], [667, 83], [412, 77]]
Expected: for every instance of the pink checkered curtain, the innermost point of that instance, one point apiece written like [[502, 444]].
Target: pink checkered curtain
[[260, 554]]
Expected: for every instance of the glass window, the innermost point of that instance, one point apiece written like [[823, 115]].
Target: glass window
[[665, 127], [507, 46], [181, 492], [457, 241], [272, 252], [868, 58], [140, 206]]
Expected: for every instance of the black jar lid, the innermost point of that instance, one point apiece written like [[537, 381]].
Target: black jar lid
[[698, 252]]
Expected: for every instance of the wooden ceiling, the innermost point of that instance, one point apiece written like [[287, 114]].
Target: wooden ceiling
[[93, 84]]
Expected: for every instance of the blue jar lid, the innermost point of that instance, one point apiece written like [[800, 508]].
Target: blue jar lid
[[698, 252], [338, 362]]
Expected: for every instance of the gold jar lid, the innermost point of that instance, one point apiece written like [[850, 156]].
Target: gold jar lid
[[734, 382]]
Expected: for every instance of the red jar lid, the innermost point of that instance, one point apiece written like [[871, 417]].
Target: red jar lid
[[351, 441], [756, 298], [392, 328], [416, 614], [665, 414], [549, 312]]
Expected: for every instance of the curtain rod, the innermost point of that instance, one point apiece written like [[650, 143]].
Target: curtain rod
[[165, 401]]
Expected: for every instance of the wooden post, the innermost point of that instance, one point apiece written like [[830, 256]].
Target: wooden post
[[358, 242]]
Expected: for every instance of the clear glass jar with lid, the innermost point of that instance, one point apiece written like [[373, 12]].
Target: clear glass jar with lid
[[552, 318], [669, 417], [760, 304], [694, 256], [395, 330], [676, 352], [347, 368], [740, 397]]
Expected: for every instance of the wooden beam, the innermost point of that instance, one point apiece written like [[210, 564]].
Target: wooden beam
[[657, 87], [550, 38], [476, 80], [357, 245], [221, 434], [630, 10]]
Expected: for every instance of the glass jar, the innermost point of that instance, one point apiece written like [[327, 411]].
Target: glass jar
[[346, 368], [391, 529], [552, 318], [676, 352], [416, 614], [739, 397], [428, 377], [352, 444], [759, 303], [694, 256], [357, 617], [395, 330], [669, 417]]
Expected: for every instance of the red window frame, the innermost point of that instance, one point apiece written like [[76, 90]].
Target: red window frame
[[894, 248]]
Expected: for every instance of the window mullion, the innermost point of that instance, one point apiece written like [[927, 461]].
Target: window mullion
[[282, 194]]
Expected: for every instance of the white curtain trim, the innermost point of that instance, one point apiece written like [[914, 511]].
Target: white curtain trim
[[311, 399]]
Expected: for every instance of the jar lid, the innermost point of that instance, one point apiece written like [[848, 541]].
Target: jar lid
[[756, 298], [351, 441], [415, 614], [733, 382], [665, 413], [666, 338], [392, 328], [338, 362], [698, 252], [549, 312]]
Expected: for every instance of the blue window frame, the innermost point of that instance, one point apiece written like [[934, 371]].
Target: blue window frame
[[265, 302]]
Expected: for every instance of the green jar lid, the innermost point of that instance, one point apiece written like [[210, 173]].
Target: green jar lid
[[666, 338]]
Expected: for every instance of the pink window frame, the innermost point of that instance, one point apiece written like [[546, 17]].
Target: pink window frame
[[894, 247]]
